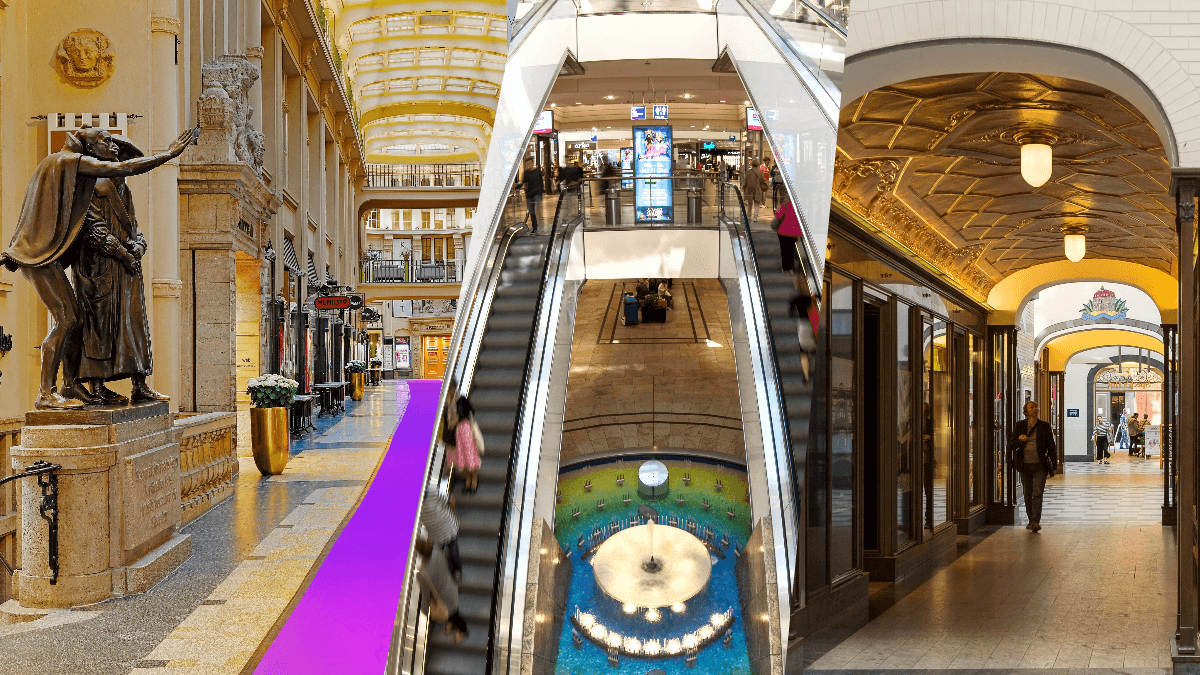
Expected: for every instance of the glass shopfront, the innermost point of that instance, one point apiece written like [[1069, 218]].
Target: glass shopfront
[[903, 375]]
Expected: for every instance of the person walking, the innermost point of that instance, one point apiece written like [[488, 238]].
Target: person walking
[[1135, 431], [437, 582], [468, 446], [753, 185], [777, 191], [437, 515], [1100, 436], [535, 187], [1035, 456]]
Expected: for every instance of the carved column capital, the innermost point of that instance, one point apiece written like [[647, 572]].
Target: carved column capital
[[256, 52], [165, 24]]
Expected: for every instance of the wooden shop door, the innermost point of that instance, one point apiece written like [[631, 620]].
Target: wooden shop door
[[437, 350]]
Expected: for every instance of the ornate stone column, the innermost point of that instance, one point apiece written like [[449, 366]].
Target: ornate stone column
[[164, 203]]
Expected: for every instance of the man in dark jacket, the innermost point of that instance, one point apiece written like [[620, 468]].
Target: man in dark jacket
[[534, 189], [1035, 455]]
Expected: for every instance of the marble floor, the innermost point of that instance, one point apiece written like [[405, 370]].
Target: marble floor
[[250, 554], [1095, 589]]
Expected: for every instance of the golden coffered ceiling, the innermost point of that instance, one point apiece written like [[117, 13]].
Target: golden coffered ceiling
[[932, 163]]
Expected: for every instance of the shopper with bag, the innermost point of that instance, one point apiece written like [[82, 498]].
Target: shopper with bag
[[1101, 435], [1135, 434], [1034, 454], [469, 447], [787, 227], [437, 583]]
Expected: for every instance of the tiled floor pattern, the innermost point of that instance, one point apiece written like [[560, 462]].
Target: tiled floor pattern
[[1075, 596], [681, 395], [685, 321], [223, 634]]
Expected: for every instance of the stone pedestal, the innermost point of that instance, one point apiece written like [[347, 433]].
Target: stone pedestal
[[118, 501]]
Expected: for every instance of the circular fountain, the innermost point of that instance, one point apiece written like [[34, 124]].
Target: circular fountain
[[652, 566]]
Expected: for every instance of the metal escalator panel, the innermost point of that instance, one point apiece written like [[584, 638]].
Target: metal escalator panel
[[799, 107], [495, 393]]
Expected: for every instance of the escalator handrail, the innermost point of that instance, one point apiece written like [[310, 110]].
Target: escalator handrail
[[829, 21], [469, 332], [537, 330], [776, 409]]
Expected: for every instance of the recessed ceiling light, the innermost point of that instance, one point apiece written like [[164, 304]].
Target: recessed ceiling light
[[607, 127], [693, 126], [687, 95], [610, 97], [553, 104], [747, 103], [722, 100], [578, 103]]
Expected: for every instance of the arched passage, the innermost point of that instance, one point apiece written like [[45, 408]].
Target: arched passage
[[1063, 348], [1009, 296], [898, 42]]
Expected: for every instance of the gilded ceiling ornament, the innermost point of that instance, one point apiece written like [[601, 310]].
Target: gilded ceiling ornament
[[888, 215], [1014, 134], [83, 58]]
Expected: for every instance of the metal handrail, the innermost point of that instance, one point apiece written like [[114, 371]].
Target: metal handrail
[[48, 482], [775, 410], [509, 545]]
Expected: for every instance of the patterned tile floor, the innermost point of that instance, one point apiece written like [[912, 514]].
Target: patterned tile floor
[[1094, 590]]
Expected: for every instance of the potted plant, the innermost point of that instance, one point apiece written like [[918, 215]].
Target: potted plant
[[272, 398], [358, 375]]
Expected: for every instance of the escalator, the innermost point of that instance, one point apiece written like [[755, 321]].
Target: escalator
[[496, 394]]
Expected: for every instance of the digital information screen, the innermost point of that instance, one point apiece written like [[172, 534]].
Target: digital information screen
[[753, 123], [626, 167], [653, 199], [545, 123]]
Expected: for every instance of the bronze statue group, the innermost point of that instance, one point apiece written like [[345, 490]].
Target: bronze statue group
[[78, 214]]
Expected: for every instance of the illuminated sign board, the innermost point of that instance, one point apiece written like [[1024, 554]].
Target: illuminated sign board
[[753, 123], [653, 196], [545, 123], [660, 111], [637, 112], [332, 302]]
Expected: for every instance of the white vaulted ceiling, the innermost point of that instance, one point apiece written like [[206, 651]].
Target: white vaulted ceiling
[[426, 75]]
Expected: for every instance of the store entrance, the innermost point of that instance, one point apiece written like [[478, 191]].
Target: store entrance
[[436, 349]]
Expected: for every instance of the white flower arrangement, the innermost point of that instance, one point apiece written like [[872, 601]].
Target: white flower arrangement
[[272, 391]]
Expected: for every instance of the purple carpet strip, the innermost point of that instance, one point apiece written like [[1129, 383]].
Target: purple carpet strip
[[344, 622]]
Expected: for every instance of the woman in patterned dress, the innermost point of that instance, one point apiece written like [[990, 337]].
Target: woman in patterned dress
[[469, 446]]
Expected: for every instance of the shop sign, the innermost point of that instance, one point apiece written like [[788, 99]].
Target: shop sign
[[637, 112], [710, 146], [1072, 412], [1104, 305], [332, 302]]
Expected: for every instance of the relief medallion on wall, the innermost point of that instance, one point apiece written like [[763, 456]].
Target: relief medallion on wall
[[84, 58]]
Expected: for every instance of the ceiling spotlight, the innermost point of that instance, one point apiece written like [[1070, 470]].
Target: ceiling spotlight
[[652, 615], [678, 607], [1037, 157], [687, 95], [629, 608], [610, 97], [722, 100], [1075, 242], [578, 102], [747, 103], [553, 105]]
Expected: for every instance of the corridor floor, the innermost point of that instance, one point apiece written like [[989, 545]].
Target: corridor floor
[[1095, 589]]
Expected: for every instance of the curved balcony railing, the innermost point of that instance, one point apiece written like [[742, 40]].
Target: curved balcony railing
[[423, 175], [409, 271]]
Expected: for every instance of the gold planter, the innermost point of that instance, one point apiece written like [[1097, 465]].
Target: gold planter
[[358, 382], [270, 440]]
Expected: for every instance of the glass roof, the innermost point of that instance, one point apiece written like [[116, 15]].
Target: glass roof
[[426, 75]]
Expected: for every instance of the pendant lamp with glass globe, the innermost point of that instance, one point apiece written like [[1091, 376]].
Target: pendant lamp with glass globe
[[1037, 155], [1075, 242]]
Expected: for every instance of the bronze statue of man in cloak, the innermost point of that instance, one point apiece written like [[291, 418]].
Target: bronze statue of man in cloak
[[52, 233]]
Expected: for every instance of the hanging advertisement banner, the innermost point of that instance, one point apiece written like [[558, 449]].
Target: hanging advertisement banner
[[653, 197], [626, 167]]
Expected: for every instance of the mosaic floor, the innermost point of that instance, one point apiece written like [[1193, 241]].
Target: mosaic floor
[[580, 532]]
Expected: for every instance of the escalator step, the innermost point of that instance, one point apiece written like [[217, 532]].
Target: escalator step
[[448, 661]]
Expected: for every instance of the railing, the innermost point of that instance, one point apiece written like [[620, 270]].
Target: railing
[[208, 461], [409, 271], [48, 482], [423, 175], [10, 505]]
